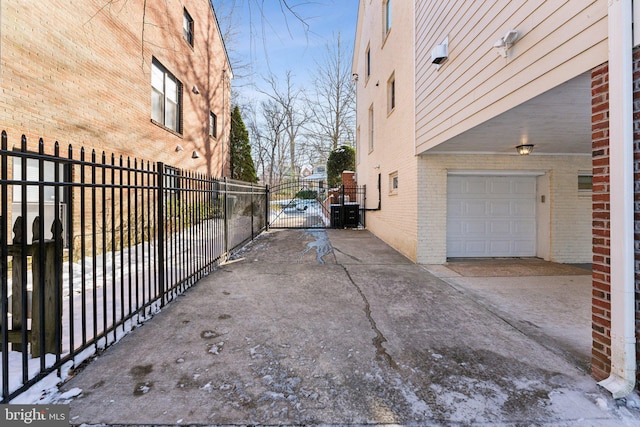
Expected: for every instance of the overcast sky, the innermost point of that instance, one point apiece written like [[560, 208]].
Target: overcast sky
[[280, 41]]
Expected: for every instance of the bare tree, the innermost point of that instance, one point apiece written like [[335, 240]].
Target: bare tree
[[228, 13], [268, 135], [333, 100], [295, 111]]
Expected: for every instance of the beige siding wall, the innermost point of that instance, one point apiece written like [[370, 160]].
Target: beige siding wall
[[568, 216], [393, 133], [558, 41]]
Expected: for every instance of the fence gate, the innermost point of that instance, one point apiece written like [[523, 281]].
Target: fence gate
[[309, 204]]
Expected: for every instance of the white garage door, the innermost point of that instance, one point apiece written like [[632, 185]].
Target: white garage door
[[491, 216]]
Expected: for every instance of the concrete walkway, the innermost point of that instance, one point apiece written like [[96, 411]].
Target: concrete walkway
[[333, 328]]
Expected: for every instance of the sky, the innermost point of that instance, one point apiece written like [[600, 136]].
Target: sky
[[280, 41]]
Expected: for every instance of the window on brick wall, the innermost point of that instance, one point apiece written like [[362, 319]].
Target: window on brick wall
[[387, 16], [358, 147], [367, 63], [166, 95], [213, 125], [391, 93], [172, 182], [371, 128], [393, 183], [187, 27]]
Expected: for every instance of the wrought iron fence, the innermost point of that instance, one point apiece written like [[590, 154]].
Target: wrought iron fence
[[100, 243], [304, 203]]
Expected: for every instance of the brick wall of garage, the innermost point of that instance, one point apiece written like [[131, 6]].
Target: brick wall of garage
[[570, 210], [601, 294], [636, 168]]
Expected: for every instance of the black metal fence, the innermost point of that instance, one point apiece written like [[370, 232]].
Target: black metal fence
[[304, 203], [100, 243]]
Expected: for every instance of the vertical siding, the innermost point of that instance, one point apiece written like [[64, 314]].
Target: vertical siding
[[558, 41]]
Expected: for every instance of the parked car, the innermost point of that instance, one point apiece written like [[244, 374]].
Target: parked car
[[298, 205]]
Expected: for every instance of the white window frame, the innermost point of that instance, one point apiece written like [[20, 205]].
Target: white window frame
[[391, 93], [187, 27], [581, 177], [213, 125], [166, 98], [371, 124], [393, 183], [387, 7], [367, 63]]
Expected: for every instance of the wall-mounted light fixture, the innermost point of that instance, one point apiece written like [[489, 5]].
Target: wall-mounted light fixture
[[440, 52], [505, 42], [195, 155], [195, 90], [524, 149], [377, 166], [354, 77], [179, 147]]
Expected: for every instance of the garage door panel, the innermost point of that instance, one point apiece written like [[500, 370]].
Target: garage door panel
[[475, 228], [524, 246], [499, 188], [475, 247], [500, 247], [526, 208], [474, 187], [524, 186], [523, 228], [474, 208], [502, 228], [500, 208], [491, 216]]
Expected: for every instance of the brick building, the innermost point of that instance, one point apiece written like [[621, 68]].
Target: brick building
[[149, 80]]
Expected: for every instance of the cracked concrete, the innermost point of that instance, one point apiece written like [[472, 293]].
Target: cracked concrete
[[332, 328]]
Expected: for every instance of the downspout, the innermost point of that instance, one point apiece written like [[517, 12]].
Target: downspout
[[224, 130], [622, 378]]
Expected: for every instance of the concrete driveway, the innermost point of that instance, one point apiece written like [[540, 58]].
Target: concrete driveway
[[547, 301], [333, 328]]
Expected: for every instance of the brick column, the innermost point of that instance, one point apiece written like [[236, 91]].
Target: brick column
[[636, 168], [601, 276]]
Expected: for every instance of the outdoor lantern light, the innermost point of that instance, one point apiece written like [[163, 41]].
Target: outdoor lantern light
[[504, 43], [440, 52], [524, 149]]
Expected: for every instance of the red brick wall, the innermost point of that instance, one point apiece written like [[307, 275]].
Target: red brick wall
[[601, 294], [636, 168], [79, 73]]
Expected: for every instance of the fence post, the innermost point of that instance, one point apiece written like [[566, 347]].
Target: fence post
[[160, 225], [267, 208], [225, 201], [343, 210], [47, 301], [18, 259], [364, 206], [252, 236]]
